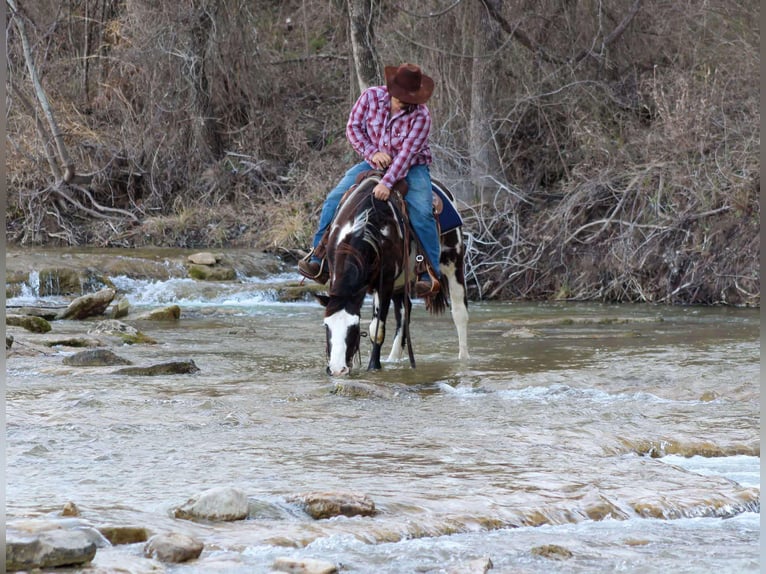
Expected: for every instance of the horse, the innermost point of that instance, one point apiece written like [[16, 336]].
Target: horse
[[370, 249]]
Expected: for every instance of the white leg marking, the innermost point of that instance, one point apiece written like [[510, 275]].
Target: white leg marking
[[458, 310]]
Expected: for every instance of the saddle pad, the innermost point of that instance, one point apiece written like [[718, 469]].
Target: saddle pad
[[449, 218]]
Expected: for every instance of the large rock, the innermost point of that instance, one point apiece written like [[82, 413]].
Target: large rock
[[129, 335], [88, 305], [170, 368], [59, 281], [204, 258], [28, 322], [48, 549], [220, 504], [95, 358], [171, 313], [215, 273], [320, 505], [173, 547]]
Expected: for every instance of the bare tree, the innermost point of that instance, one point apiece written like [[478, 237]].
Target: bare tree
[[485, 161], [365, 63]]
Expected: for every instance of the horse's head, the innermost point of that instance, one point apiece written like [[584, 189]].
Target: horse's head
[[343, 334]]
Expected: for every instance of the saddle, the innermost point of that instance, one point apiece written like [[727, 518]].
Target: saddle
[[445, 214]]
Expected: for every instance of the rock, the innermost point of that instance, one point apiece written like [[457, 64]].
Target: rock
[[88, 305], [220, 504], [47, 313], [172, 313], [121, 308], [77, 342], [173, 547], [478, 566], [320, 505], [357, 390], [95, 358], [304, 566], [117, 561], [129, 335], [59, 281], [48, 549], [70, 509], [170, 368], [112, 327], [205, 273], [552, 551], [124, 534], [8, 342], [204, 258], [28, 322]]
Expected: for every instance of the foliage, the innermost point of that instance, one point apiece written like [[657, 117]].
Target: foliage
[[601, 150]]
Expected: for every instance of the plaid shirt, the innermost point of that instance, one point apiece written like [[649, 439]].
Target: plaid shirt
[[404, 137]]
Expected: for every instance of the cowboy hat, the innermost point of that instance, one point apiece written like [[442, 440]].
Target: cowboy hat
[[409, 84]]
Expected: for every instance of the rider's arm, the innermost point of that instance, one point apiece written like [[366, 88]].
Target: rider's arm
[[415, 140], [356, 128]]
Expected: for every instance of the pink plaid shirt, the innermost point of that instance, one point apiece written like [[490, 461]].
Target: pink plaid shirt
[[404, 137]]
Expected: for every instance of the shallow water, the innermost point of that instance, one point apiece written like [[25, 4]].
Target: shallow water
[[628, 435]]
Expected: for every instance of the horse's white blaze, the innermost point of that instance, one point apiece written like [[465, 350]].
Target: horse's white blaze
[[458, 309], [339, 323]]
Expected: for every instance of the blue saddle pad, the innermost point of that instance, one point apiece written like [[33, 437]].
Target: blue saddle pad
[[449, 218]]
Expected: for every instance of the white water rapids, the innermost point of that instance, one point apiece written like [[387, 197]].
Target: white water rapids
[[627, 435]]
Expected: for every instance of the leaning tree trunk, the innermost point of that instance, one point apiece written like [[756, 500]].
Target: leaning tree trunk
[[56, 135], [485, 161], [366, 68]]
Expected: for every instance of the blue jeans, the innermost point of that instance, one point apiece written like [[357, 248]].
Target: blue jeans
[[419, 206]]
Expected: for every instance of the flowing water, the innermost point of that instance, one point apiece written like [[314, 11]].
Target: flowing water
[[627, 436]]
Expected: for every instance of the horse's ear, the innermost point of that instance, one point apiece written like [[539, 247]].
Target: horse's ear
[[323, 299]]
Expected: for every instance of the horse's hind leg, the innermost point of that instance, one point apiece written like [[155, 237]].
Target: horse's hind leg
[[453, 270], [399, 337]]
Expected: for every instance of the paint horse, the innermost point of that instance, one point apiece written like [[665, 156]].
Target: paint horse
[[371, 249]]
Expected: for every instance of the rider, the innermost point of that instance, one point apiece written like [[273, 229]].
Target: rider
[[389, 127]]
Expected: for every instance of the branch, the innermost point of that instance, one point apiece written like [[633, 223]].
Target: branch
[[616, 33], [493, 8]]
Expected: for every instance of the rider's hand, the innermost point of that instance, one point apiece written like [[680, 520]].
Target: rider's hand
[[381, 159], [381, 192]]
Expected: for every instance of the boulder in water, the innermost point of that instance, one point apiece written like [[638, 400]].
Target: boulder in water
[[88, 305], [95, 358], [320, 505], [47, 549], [28, 322], [170, 368], [173, 547], [220, 504]]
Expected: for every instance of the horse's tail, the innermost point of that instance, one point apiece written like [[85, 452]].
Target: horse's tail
[[438, 303]]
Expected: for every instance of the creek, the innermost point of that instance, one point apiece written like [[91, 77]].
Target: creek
[[626, 435]]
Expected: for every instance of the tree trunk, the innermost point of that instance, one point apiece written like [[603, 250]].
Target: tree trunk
[[206, 126], [58, 138], [485, 162], [364, 55]]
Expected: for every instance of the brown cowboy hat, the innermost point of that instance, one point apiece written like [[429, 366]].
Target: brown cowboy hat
[[409, 84]]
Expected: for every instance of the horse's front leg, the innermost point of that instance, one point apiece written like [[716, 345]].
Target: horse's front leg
[[380, 304]]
